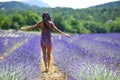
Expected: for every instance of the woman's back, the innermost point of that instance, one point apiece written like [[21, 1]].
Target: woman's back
[[44, 28], [45, 36]]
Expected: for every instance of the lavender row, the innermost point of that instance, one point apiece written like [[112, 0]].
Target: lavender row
[[77, 62], [108, 51], [23, 63], [8, 39]]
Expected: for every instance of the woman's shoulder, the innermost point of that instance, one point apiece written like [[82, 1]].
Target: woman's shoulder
[[40, 23], [51, 23]]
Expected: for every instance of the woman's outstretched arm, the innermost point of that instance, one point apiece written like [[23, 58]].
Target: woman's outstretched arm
[[57, 30], [32, 27]]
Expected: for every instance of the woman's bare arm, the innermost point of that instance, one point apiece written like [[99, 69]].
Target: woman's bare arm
[[57, 30], [32, 27]]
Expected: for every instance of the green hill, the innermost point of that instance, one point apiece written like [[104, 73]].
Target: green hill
[[14, 4], [104, 18], [110, 4]]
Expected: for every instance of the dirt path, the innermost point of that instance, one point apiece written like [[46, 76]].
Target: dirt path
[[53, 74]]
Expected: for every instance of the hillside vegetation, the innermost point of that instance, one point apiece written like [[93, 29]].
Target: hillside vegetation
[[96, 19]]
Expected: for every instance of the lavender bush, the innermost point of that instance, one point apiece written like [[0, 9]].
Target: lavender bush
[[85, 57], [79, 57], [10, 40], [23, 62]]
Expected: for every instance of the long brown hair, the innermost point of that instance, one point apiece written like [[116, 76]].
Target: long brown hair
[[46, 18]]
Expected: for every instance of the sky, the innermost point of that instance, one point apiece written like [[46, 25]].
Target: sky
[[71, 3]]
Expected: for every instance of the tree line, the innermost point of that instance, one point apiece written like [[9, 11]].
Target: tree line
[[89, 20]]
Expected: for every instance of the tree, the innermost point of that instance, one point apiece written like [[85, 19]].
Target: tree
[[59, 22], [6, 23], [17, 21], [18, 18], [16, 25], [94, 27], [114, 26], [31, 18], [76, 26]]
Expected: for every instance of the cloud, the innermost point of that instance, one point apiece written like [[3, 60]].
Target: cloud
[[75, 3], [71, 3]]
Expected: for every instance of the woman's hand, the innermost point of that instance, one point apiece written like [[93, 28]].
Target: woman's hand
[[67, 35], [21, 29]]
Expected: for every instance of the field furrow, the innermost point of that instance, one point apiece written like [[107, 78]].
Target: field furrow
[[78, 57]]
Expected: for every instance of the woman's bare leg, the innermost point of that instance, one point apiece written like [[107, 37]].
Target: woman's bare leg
[[45, 57], [49, 55]]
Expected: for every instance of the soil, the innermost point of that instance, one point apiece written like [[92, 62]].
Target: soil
[[53, 74]]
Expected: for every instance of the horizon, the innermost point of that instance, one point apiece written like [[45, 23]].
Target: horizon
[[70, 3]]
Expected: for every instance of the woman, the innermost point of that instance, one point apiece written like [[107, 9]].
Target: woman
[[46, 44]]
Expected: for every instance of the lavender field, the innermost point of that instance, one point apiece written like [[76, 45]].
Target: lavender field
[[79, 57]]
